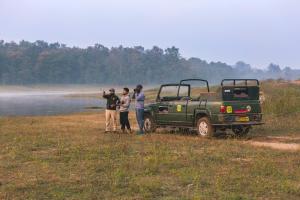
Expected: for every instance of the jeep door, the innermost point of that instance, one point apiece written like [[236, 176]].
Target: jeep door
[[178, 108], [196, 100], [171, 107]]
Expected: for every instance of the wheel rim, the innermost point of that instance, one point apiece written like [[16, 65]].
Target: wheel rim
[[147, 124], [203, 128]]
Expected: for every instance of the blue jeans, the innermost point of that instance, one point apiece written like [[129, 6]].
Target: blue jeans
[[140, 119]]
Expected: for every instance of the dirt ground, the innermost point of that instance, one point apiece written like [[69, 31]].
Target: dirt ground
[[285, 143], [297, 82]]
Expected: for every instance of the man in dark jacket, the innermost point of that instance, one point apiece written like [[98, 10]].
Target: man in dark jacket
[[111, 107]]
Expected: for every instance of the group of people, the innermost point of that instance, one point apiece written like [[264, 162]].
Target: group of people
[[122, 104]]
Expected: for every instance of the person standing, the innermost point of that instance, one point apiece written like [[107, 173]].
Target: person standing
[[139, 97], [124, 110], [110, 112]]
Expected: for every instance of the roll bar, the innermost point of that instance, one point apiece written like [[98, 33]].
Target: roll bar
[[194, 79], [170, 84], [234, 81]]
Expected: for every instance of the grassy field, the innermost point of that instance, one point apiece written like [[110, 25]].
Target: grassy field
[[70, 157]]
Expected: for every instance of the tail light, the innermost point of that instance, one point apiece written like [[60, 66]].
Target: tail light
[[222, 109], [229, 109], [226, 109]]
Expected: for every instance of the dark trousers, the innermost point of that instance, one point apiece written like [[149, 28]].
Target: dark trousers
[[124, 120]]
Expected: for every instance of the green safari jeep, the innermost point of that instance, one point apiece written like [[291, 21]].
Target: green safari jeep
[[235, 105]]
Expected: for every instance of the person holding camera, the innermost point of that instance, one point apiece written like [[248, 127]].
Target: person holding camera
[[124, 110], [111, 110], [139, 97]]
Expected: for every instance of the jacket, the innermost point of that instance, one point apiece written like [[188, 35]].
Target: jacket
[[125, 103], [112, 101]]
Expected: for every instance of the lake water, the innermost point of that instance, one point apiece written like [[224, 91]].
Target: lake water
[[44, 103]]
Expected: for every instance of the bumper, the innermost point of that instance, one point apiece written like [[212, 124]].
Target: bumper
[[231, 120], [239, 124]]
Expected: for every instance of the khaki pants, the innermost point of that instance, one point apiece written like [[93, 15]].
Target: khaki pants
[[110, 115]]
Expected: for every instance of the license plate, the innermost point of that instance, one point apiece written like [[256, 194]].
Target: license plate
[[242, 119]]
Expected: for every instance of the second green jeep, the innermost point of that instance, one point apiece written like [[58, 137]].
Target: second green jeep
[[236, 106]]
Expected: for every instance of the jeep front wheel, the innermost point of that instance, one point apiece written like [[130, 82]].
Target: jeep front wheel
[[149, 124], [204, 127]]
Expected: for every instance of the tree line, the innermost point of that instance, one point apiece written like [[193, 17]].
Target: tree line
[[54, 63]]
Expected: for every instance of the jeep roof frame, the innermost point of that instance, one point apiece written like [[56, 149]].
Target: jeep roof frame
[[172, 84], [234, 81], [194, 79]]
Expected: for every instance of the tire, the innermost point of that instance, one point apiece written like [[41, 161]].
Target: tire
[[241, 130], [204, 127], [149, 124]]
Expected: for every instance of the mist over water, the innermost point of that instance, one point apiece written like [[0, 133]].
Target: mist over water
[[37, 100], [31, 103]]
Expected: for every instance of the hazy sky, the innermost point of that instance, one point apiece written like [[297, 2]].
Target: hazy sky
[[255, 31]]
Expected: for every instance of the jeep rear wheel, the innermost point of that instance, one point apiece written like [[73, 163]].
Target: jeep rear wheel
[[149, 124], [204, 127]]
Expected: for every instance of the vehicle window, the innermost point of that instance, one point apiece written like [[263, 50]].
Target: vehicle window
[[240, 93]]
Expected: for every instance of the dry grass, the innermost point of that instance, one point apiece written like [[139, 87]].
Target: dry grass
[[70, 157]]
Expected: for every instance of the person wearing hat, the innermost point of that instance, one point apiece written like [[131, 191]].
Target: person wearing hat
[[111, 110], [139, 97]]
